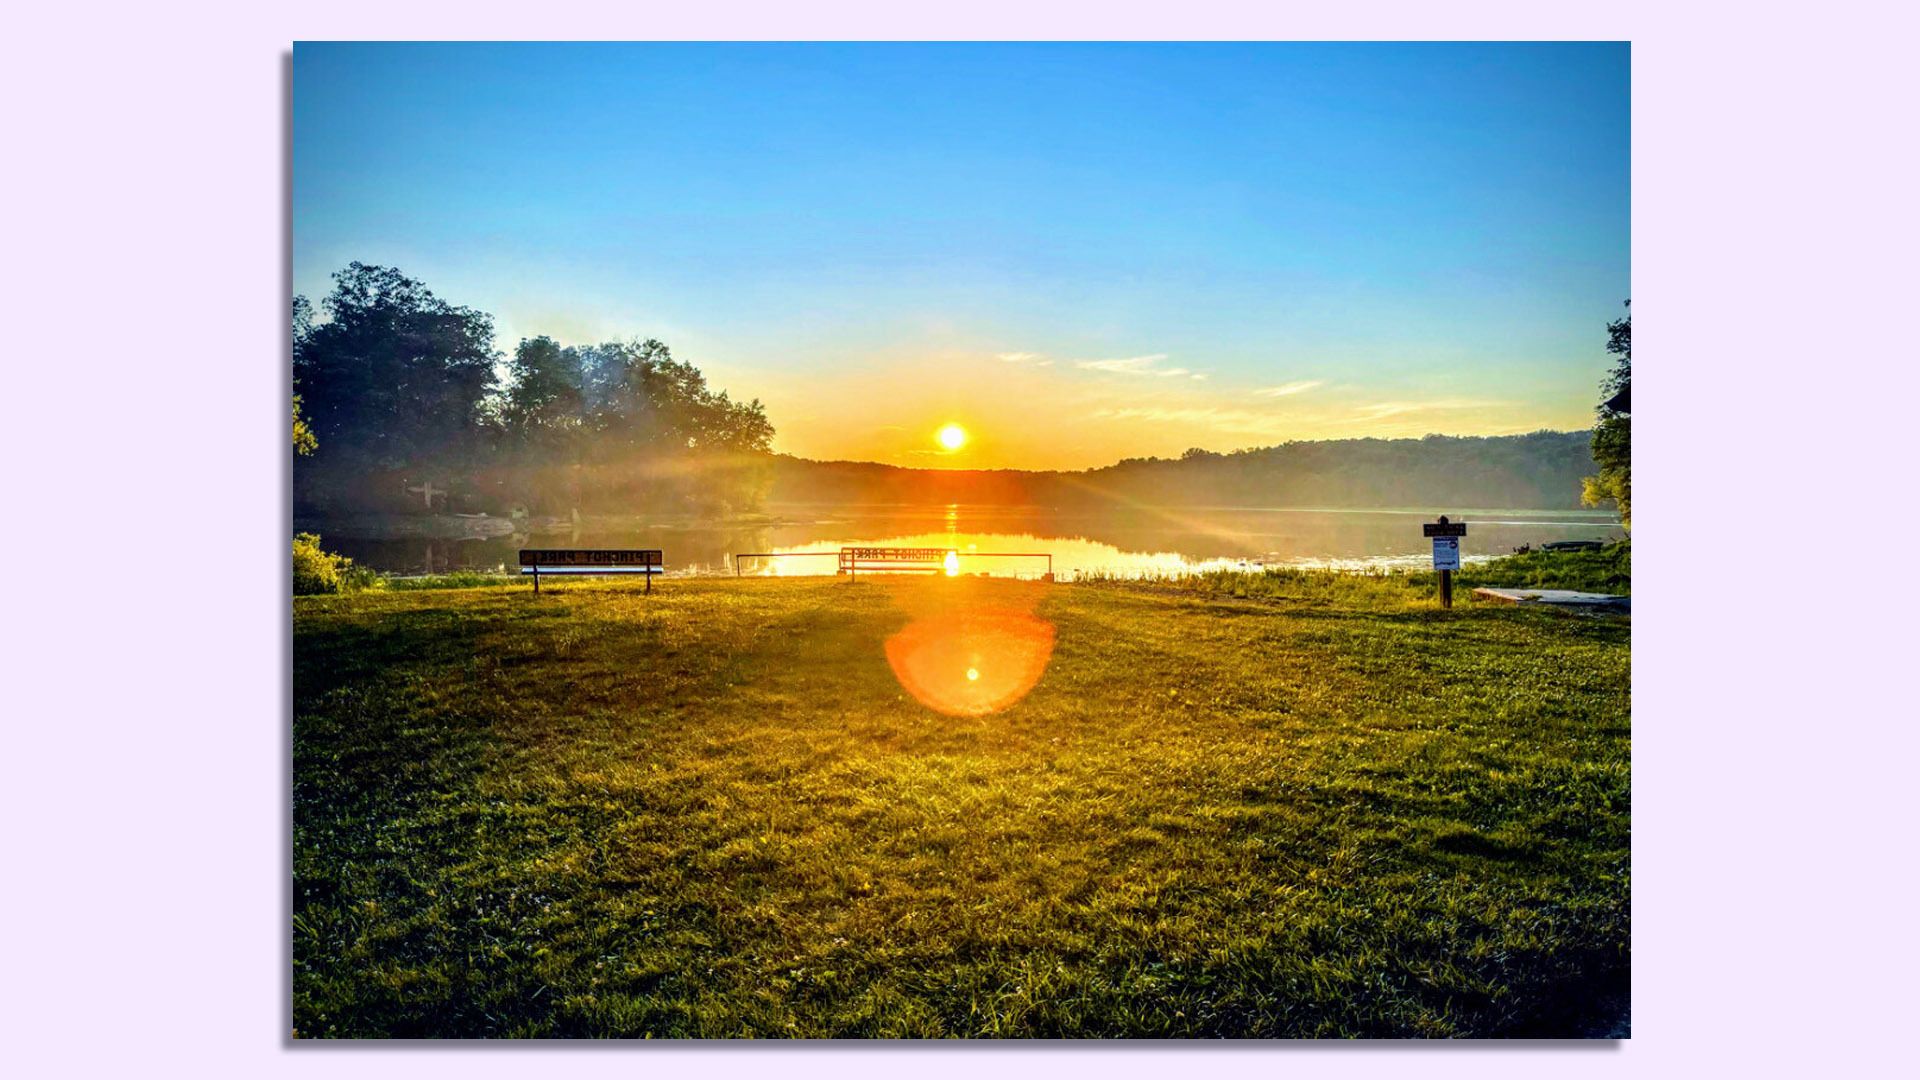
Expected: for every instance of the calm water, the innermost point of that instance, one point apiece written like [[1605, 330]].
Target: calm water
[[1141, 540]]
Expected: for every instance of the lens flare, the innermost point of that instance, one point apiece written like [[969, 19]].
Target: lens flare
[[971, 663]]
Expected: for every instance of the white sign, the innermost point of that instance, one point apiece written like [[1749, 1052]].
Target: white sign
[[1446, 553]]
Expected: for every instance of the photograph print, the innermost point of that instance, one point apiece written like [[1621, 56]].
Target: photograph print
[[960, 541]]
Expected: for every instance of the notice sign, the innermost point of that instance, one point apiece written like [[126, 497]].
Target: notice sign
[[1446, 553]]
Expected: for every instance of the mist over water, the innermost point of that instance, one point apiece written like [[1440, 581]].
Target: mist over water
[[1138, 540]]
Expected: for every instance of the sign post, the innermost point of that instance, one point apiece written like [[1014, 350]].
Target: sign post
[[1446, 552]]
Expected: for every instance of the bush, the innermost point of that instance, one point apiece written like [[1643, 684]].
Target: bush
[[317, 571]]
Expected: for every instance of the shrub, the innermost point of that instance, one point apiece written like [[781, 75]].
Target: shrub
[[317, 571]]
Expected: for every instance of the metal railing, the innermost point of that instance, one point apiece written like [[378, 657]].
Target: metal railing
[[777, 555], [1047, 555]]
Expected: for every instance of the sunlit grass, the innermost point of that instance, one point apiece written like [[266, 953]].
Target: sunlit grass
[[1323, 808]]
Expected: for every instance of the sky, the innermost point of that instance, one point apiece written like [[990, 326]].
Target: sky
[[1077, 253]]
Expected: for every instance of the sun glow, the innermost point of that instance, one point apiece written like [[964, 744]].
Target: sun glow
[[951, 437]]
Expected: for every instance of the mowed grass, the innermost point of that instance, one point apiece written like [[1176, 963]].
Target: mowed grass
[[1328, 809]]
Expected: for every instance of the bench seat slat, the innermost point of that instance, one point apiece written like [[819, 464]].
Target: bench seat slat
[[594, 569]]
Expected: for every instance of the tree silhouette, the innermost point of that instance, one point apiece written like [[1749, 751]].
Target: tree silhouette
[[1612, 436]]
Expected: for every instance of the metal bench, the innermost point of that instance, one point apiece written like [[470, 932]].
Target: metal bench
[[929, 560], [537, 561]]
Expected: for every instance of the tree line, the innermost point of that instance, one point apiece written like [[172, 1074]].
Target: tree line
[[1542, 470], [402, 402]]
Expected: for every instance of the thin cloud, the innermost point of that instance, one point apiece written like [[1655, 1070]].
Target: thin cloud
[[1229, 421], [1138, 365], [1300, 386], [1133, 365], [1380, 410], [1017, 357]]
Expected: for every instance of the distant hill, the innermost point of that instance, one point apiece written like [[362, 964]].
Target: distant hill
[[1539, 471]]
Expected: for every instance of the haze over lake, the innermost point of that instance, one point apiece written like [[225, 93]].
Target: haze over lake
[[1140, 540]]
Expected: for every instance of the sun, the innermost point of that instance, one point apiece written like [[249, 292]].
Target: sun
[[953, 436]]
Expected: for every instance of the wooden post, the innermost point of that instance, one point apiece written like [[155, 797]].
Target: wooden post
[[1449, 533], [536, 579]]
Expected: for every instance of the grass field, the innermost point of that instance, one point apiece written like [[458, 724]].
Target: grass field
[[1274, 805]]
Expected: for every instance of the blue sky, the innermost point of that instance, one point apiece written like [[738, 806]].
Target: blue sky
[[1078, 252]]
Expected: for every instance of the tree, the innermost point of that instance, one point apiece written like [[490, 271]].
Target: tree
[[544, 408], [395, 374], [1612, 449], [304, 443]]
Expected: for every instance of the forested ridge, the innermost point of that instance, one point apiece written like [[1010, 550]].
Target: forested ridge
[[1540, 470]]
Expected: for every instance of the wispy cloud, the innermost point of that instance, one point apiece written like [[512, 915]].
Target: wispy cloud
[[1138, 365], [1232, 421], [1134, 364], [1380, 410], [1300, 386], [1036, 359]]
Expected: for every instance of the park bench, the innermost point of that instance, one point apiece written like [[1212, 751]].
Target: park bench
[[537, 561], [933, 560]]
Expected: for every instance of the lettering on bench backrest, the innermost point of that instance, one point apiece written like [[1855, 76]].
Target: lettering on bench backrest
[[589, 557], [879, 554]]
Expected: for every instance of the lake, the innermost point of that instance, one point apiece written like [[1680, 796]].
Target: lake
[[1140, 540]]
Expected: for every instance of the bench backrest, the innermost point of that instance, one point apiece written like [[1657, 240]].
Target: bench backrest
[[882, 557], [589, 557]]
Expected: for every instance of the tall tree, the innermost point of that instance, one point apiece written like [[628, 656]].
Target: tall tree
[[1612, 442], [395, 374], [304, 443], [544, 408]]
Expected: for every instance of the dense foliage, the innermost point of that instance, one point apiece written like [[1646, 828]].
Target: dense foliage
[[1612, 445], [314, 569], [412, 408]]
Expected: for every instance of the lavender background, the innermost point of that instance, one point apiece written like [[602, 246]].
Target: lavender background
[[145, 910]]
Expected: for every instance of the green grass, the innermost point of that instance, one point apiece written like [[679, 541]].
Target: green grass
[[458, 579], [1324, 808], [1609, 570]]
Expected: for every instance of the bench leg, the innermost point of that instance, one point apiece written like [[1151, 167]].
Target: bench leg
[[536, 581]]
